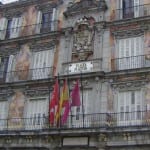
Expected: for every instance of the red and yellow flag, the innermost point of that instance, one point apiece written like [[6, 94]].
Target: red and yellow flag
[[64, 98]]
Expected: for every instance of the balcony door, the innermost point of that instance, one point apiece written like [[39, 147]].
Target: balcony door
[[130, 8], [36, 113], [81, 116], [129, 108], [130, 53]]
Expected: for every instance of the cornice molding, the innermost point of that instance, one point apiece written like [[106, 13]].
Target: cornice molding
[[17, 8], [85, 6]]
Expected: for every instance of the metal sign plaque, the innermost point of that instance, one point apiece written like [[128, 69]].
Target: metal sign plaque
[[81, 67]]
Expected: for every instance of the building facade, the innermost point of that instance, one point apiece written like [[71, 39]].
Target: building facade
[[105, 44]]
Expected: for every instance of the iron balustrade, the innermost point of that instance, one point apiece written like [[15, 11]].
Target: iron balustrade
[[29, 30], [132, 12], [95, 120], [88, 66], [132, 62], [24, 75]]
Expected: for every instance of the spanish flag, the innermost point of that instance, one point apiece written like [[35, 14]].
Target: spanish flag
[[64, 100]]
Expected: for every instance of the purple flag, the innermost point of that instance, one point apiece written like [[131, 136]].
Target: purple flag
[[75, 95]]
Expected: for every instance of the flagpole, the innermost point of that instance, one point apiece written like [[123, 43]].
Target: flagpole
[[69, 100], [58, 125], [49, 108], [82, 97]]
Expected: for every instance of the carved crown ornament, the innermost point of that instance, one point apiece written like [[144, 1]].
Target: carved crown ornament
[[85, 6]]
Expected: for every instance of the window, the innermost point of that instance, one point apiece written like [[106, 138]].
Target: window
[[46, 22], [130, 53], [3, 27], [15, 27], [36, 113], [130, 8], [3, 67], [49, 21], [42, 64], [129, 107], [8, 28], [37, 65]]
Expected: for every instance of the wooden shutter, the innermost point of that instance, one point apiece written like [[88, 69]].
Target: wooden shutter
[[136, 8], [120, 13], [136, 48], [10, 68], [35, 65], [3, 28], [53, 21], [124, 103], [3, 114], [38, 22], [121, 44], [15, 27]]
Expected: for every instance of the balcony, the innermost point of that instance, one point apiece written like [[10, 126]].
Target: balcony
[[88, 66], [23, 31], [132, 12], [25, 75], [101, 120], [133, 62]]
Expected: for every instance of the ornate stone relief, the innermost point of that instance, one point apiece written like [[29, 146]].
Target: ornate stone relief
[[83, 38]]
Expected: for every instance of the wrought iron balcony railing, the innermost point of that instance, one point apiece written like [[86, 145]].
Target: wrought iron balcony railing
[[88, 66], [29, 30], [102, 120], [24, 75], [132, 12], [132, 62]]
